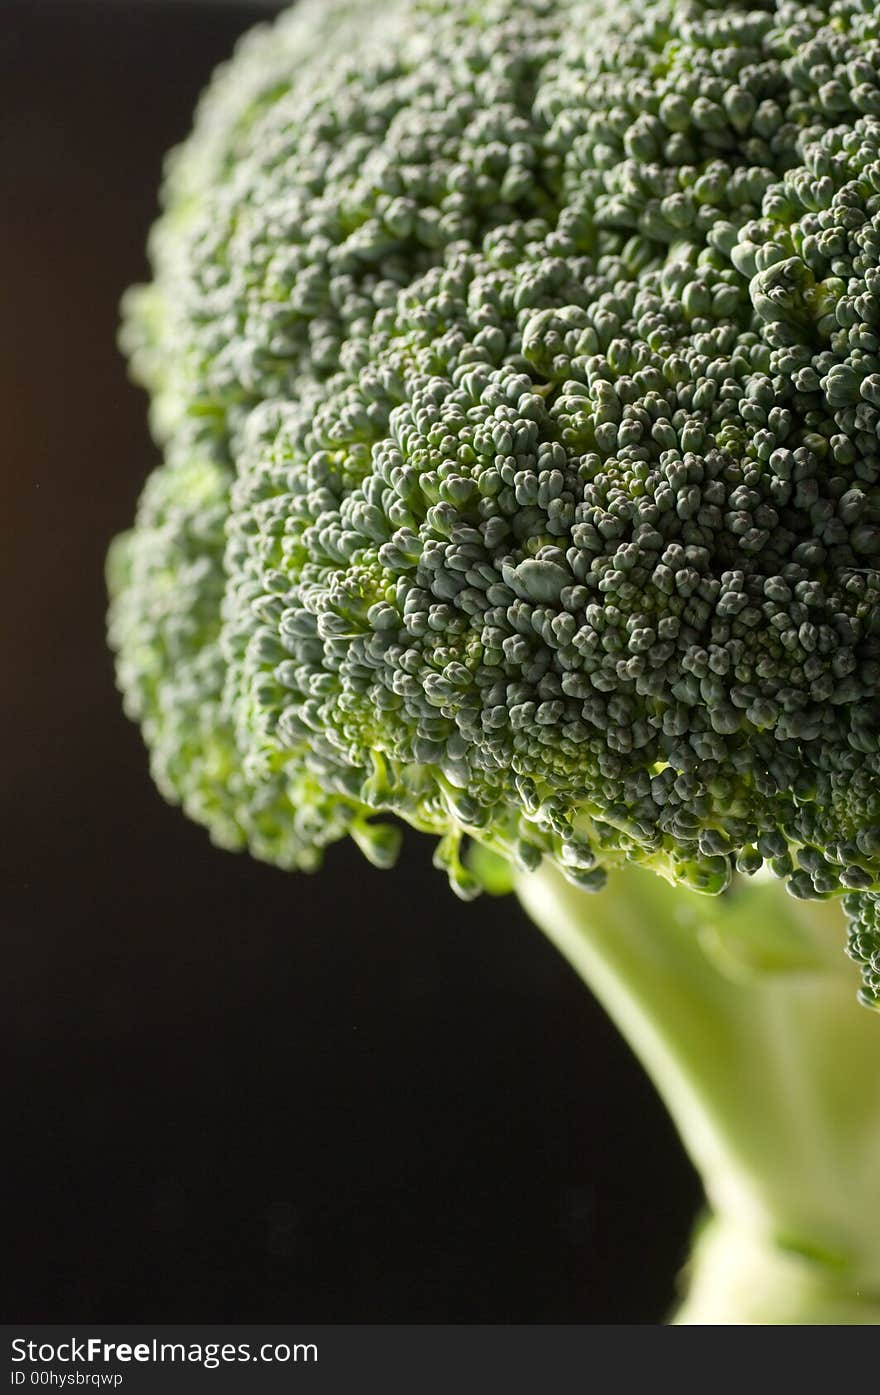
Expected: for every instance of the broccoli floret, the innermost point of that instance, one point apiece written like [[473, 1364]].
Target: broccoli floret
[[516, 369]]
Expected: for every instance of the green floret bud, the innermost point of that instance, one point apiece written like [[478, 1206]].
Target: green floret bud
[[517, 372], [863, 944]]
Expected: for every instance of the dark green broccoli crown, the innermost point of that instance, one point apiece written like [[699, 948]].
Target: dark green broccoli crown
[[518, 374]]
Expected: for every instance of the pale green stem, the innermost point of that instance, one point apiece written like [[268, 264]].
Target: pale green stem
[[742, 1009]]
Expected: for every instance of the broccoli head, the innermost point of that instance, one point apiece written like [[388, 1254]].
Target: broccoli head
[[517, 372]]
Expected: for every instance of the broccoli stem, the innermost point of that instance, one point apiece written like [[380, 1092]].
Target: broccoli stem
[[742, 1009]]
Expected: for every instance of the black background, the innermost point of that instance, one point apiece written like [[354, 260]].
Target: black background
[[232, 1094]]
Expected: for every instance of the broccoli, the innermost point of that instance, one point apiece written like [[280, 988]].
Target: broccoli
[[516, 369]]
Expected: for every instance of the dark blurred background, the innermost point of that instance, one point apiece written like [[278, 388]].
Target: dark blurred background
[[232, 1094]]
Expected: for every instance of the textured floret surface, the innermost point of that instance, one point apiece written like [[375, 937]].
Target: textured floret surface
[[516, 368]]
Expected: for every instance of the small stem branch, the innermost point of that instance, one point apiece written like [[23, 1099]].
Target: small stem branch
[[734, 1277], [743, 1011]]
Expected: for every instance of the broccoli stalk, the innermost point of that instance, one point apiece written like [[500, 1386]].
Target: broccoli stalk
[[741, 1010]]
